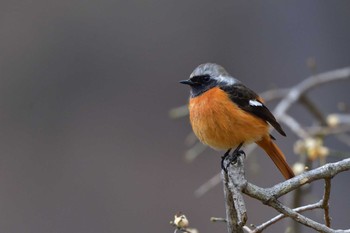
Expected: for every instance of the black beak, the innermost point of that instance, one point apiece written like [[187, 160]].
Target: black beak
[[187, 82]]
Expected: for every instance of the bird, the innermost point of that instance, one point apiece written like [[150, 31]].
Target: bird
[[226, 115]]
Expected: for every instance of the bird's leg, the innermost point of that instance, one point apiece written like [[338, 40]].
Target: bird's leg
[[227, 153], [237, 152], [232, 157]]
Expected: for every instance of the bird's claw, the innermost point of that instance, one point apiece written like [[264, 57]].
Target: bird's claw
[[232, 159]]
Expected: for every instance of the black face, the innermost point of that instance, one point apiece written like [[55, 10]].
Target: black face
[[200, 84], [201, 79]]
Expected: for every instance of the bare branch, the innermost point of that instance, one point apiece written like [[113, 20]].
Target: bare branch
[[208, 185], [298, 217], [193, 152], [328, 130], [325, 203], [294, 126], [274, 94], [306, 85], [326, 171], [268, 196], [214, 219], [236, 213], [313, 109], [234, 182], [301, 209]]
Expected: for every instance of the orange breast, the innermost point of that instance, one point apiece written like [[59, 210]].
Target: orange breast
[[221, 124]]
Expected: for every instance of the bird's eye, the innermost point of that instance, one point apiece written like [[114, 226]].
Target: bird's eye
[[201, 79], [206, 78]]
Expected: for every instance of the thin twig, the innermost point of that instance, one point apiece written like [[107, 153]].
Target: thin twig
[[194, 151], [208, 185], [214, 219], [328, 130], [309, 105], [306, 85], [274, 94], [325, 203], [294, 126], [301, 209], [298, 217], [296, 197]]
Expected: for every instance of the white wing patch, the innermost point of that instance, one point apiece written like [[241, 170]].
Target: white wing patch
[[255, 103]]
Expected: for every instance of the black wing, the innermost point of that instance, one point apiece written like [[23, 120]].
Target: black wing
[[247, 100]]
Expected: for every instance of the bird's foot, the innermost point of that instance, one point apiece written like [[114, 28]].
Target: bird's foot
[[223, 158], [232, 158]]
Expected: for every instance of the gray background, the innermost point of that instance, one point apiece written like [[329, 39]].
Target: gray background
[[86, 142]]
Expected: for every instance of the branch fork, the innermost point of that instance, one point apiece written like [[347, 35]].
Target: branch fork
[[235, 185]]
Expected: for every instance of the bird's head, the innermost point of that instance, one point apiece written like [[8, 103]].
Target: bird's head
[[207, 76]]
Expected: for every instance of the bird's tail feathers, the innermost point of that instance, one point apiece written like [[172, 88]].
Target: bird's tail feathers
[[277, 156]]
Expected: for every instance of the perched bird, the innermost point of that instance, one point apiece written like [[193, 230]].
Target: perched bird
[[226, 115]]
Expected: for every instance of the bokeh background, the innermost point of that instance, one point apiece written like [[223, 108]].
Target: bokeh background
[[86, 141]]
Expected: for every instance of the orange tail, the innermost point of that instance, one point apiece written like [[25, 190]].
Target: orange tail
[[277, 156]]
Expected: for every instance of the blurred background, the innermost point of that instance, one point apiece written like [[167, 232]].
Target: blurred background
[[86, 141]]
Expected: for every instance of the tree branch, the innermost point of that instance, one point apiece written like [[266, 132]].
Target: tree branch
[[269, 196], [309, 83], [325, 203], [301, 209], [298, 217], [326, 171], [236, 214]]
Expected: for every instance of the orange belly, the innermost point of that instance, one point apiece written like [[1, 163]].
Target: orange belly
[[221, 124]]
